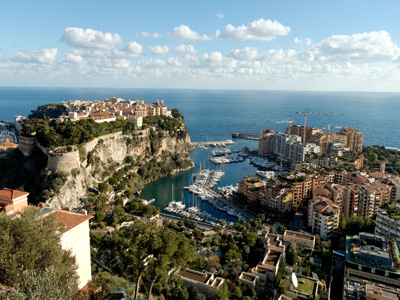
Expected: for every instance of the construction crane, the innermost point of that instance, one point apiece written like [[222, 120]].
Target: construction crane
[[306, 113], [290, 121]]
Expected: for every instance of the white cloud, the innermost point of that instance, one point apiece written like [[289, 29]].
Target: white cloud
[[153, 35], [152, 63], [90, 39], [375, 46], [246, 53], [44, 56], [122, 64], [173, 61], [220, 15], [258, 30], [134, 48], [186, 49], [272, 56], [159, 50], [279, 56], [183, 32], [306, 41], [74, 56]]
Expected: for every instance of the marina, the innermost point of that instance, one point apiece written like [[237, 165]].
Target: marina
[[208, 201]]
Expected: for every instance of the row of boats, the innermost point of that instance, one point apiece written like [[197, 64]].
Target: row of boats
[[206, 178], [226, 159]]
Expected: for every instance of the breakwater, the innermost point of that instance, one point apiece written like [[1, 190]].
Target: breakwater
[[245, 136]]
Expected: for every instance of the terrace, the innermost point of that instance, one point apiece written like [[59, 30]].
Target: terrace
[[300, 235], [194, 275], [305, 286], [273, 239], [272, 258], [249, 278], [354, 255]]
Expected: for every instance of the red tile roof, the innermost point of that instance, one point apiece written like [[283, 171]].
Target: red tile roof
[[70, 219], [10, 194]]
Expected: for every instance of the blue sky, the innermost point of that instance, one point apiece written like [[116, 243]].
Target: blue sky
[[276, 45]]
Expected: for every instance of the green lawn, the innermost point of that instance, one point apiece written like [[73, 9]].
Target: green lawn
[[308, 287]]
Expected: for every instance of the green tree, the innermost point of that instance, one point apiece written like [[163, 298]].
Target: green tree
[[44, 284], [223, 292], [103, 187], [281, 228], [148, 252], [31, 252], [291, 255], [308, 271], [250, 238], [108, 281]]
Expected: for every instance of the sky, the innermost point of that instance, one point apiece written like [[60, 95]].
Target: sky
[[340, 45]]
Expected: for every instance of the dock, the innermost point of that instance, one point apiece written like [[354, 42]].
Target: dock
[[214, 143], [245, 136]]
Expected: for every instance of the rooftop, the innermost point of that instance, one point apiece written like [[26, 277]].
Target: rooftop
[[300, 235], [273, 239], [390, 251], [194, 275], [9, 194], [69, 219], [272, 258], [308, 287], [248, 276]]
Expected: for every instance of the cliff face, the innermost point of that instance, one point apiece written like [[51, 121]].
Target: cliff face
[[99, 158]]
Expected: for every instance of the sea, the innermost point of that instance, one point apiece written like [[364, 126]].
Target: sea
[[212, 115]]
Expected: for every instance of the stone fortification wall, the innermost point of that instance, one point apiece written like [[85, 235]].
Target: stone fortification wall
[[63, 162], [26, 144]]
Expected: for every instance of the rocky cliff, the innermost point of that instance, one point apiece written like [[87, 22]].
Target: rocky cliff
[[102, 156]]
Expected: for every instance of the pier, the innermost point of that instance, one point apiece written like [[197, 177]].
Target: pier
[[214, 143], [245, 136]]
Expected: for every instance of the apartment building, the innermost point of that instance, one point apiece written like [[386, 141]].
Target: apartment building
[[323, 217], [289, 147], [250, 187], [371, 258], [313, 134], [335, 192], [388, 222], [206, 283], [305, 240], [351, 200], [367, 201], [276, 198], [354, 138], [265, 142], [264, 273]]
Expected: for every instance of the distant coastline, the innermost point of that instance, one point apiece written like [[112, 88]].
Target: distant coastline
[[215, 114]]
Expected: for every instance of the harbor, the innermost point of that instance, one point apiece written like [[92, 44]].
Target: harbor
[[203, 194], [214, 200]]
